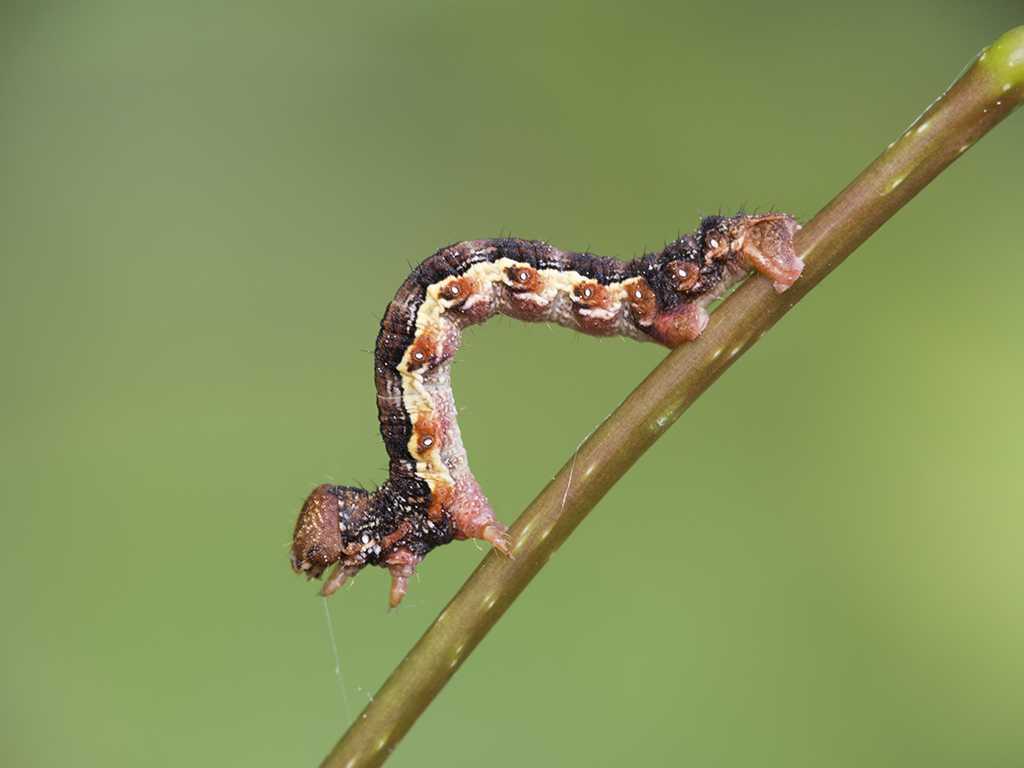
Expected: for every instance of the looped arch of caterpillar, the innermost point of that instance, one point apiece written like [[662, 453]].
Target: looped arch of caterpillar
[[430, 496]]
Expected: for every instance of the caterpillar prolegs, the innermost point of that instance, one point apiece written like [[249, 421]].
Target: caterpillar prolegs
[[430, 496]]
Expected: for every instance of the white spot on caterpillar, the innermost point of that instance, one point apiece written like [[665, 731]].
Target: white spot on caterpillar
[[427, 442], [714, 243], [923, 127]]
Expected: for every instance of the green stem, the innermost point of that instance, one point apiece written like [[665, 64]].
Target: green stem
[[986, 93]]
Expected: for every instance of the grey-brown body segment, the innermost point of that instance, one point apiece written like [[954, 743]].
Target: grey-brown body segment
[[430, 496]]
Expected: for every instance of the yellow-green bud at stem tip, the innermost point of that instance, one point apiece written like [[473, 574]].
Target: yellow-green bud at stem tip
[[1004, 60]]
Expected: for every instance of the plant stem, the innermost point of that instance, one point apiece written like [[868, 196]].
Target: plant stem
[[986, 93]]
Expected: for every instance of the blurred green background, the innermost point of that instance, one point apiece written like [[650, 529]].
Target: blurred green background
[[206, 207]]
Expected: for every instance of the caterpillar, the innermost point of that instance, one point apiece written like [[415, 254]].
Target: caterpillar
[[430, 496]]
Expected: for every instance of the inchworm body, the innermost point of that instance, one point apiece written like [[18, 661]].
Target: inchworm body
[[430, 496]]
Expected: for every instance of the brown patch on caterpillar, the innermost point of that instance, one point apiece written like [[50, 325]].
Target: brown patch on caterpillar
[[596, 309], [471, 300], [456, 291], [423, 352], [589, 294], [522, 278], [425, 433], [683, 276], [641, 300], [525, 297], [440, 500], [717, 247], [403, 530]]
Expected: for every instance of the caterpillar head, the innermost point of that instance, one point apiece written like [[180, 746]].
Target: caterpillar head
[[319, 540]]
